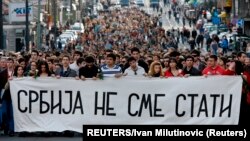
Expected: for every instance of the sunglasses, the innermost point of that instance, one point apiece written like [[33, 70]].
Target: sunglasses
[[135, 72]]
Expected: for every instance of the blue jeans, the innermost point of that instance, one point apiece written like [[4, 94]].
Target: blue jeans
[[7, 111], [224, 51], [215, 52], [1, 117]]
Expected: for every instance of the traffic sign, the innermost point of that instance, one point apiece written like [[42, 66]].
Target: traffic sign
[[240, 22]]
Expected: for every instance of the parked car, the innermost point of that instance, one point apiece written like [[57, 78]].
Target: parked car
[[69, 37], [78, 27], [70, 33], [74, 32]]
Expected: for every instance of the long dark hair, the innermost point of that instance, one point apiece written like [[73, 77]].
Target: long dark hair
[[16, 69], [40, 68], [172, 59]]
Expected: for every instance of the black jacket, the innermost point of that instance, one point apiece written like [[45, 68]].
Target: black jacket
[[192, 72], [3, 77], [239, 67], [194, 34], [68, 73]]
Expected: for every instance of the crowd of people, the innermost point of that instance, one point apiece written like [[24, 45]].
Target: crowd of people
[[119, 43]]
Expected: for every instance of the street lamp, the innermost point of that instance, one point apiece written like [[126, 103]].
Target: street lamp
[[54, 5], [27, 25], [1, 26], [39, 26]]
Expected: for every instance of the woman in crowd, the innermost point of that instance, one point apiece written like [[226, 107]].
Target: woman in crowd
[[33, 70], [165, 64], [214, 47], [222, 62], [156, 70], [19, 71], [43, 69], [173, 70]]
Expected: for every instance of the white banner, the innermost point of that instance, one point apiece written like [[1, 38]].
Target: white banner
[[50, 104], [17, 12]]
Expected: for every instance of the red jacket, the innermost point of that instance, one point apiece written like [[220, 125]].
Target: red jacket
[[247, 74], [217, 71], [168, 73]]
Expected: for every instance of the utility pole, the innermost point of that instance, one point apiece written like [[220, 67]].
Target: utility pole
[[234, 8], [38, 43], [54, 2], [71, 8], [27, 25], [1, 25], [48, 6], [80, 9]]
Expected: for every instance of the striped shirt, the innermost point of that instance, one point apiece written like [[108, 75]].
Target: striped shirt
[[110, 72]]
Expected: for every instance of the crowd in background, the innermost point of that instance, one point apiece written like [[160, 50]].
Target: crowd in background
[[123, 43]]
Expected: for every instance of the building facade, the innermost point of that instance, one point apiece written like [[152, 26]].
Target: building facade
[[244, 13]]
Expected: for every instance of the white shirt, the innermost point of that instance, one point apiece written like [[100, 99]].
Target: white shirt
[[74, 67], [139, 72]]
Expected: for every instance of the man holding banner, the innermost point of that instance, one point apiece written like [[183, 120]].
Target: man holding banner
[[213, 69], [111, 69], [65, 70], [134, 69]]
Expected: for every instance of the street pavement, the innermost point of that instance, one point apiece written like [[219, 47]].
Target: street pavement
[[171, 23], [168, 23]]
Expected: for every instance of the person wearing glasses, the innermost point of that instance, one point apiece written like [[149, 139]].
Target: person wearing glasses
[[134, 69], [198, 64], [123, 63], [32, 72]]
